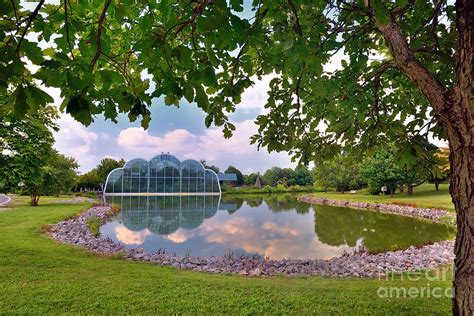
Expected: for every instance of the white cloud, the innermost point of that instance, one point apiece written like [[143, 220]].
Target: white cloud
[[256, 95], [138, 140], [130, 237], [74, 140], [211, 146]]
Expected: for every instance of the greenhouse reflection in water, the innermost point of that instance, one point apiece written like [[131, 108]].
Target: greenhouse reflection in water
[[275, 226]]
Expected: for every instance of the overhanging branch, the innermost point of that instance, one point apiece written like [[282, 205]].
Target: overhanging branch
[[28, 24], [99, 33], [430, 86]]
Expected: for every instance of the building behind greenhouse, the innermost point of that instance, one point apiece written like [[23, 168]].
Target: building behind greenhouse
[[162, 175]]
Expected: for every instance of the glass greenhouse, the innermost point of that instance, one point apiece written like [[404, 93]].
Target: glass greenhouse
[[162, 175]]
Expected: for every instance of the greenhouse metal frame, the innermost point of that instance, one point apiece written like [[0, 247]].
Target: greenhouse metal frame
[[162, 175]]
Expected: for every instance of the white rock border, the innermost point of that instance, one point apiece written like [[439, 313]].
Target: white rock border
[[75, 231], [435, 215]]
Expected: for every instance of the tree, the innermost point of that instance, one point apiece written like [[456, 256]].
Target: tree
[[26, 148], [250, 179], [211, 167], [59, 174], [301, 176], [340, 173], [382, 170], [97, 177], [240, 176], [440, 170], [406, 69], [89, 180], [276, 175], [106, 165]]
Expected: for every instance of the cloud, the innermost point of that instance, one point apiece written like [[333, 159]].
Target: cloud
[[130, 237], [139, 139], [73, 139], [211, 146]]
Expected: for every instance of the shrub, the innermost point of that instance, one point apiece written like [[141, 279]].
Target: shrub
[[94, 225]]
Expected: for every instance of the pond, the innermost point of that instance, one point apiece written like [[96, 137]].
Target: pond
[[272, 225]]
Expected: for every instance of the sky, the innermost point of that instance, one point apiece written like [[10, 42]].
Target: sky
[[179, 131]]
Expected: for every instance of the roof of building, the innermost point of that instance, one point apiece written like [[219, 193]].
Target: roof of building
[[227, 177]]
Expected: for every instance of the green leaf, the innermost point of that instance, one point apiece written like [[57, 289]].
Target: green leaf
[[236, 5], [79, 108], [381, 12], [110, 111], [211, 55], [36, 97], [288, 44], [18, 102], [146, 121], [188, 92], [74, 82], [171, 99], [402, 3], [33, 52], [202, 99]]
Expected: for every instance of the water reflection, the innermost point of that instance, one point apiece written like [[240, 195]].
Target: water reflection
[[276, 226]]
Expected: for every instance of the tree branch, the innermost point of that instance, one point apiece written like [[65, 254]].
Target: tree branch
[[99, 33], [14, 10], [66, 23], [430, 86], [28, 24], [298, 28]]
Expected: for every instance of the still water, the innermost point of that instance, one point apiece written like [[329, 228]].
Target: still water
[[274, 226]]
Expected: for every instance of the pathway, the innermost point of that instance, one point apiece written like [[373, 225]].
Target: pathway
[[4, 199]]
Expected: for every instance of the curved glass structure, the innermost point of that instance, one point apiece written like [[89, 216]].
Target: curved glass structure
[[162, 175]]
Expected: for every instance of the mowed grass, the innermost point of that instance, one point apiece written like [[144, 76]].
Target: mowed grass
[[424, 196], [39, 275]]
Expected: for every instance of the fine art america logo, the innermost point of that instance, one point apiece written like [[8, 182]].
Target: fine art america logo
[[426, 284]]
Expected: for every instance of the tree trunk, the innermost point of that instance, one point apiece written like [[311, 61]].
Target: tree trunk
[[34, 200], [401, 187], [461, 143], [436, 183], [410, 189], [455, 112], [460, 133]]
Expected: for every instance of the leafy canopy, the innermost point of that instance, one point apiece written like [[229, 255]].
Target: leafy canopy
[[109, 57], [28, 162]]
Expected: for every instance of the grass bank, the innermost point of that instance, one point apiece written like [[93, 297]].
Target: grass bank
[[39, 275], [425, 196]]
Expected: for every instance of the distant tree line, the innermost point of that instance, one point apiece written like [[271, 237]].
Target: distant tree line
[[384, 170]]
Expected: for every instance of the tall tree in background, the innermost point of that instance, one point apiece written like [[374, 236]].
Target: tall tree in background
[[96, 177], [440, 171], [106, 165], [59, 174], [301, 176], [25, 150], [382, 170], [406, 70]]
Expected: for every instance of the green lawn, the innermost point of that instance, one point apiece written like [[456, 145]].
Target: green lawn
[[423, 196], [39, 275]]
